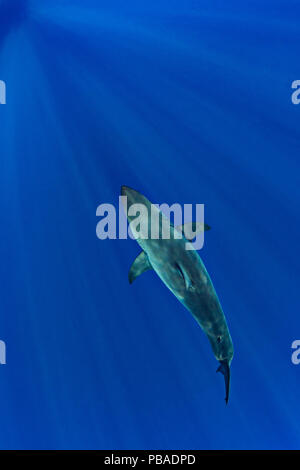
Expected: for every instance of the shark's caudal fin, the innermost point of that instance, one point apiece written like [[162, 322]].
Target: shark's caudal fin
[[139, 266], [225, 370], [191, 229]]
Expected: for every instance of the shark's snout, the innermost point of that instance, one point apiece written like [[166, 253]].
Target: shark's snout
[[124, 190], [133, 196], [130, 193]]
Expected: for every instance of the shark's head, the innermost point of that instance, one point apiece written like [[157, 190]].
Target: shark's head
[[133, 196]]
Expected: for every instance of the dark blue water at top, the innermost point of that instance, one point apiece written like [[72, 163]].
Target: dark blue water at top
[[187, 102]]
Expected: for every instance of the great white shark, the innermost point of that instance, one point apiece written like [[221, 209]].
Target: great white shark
[[182, 271]]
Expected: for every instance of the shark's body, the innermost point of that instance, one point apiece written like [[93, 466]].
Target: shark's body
[[184, 273]]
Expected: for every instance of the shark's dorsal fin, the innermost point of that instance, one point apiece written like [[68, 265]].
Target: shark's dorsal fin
[[139, 266], [191, 229]]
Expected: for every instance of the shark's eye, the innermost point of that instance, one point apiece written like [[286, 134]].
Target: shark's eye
[[219, 339]]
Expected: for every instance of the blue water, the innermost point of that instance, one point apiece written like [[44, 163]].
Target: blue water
[[187, 102]]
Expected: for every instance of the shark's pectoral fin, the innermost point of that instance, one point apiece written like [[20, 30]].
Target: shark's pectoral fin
[[139, 266], [191, 229]]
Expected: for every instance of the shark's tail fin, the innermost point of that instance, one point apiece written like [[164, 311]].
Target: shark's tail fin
[[225, 370]]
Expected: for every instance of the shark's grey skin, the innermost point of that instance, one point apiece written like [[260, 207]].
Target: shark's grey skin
[[184, 273]]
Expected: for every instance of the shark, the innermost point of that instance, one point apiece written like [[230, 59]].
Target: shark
[[181, 269]]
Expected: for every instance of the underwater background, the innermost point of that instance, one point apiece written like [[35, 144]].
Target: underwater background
[[187, 102]]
